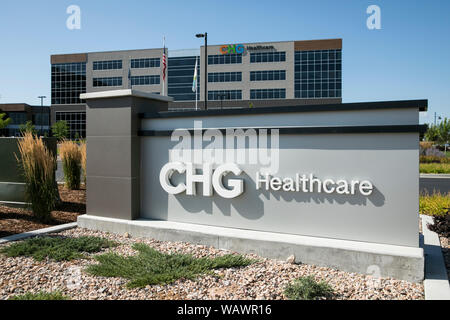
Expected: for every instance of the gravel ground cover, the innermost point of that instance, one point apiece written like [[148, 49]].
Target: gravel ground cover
[[265, 279], [18, 220]]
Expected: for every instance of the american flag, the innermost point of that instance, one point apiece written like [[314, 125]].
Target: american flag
[[164, 61]]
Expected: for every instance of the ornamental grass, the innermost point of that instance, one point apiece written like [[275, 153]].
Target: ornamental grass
[[38, 166], [71, 159], [83, 159]]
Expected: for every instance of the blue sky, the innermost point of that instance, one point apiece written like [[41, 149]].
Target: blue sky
[[409, 58]]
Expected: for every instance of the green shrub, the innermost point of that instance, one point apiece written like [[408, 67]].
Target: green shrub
[[442, 168], [38, 166], [71, 159], [56, 248], [434, 159], [56, 295], [60, 130], [153, 267], [434, 205], [306, 288]]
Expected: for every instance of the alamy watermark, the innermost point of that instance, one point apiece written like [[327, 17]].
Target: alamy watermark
[[73, 22], [374, 20]]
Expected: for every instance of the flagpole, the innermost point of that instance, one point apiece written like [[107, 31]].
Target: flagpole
[[196, 85], [164, 76]]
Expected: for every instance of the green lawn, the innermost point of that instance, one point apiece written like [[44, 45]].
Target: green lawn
[[40, 296]]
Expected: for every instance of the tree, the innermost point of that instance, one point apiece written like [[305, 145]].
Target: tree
[[28, 127], [444, 132], [4, 122], [60, 130]]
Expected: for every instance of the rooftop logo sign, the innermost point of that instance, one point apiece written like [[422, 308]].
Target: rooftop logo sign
[[232, 48], [240, 48]]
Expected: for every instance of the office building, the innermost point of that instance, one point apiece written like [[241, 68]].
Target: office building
[[240, 75]]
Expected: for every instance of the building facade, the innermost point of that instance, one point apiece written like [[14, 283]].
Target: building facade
[[20, 114], [240, 75]]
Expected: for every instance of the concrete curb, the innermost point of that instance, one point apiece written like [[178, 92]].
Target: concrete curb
[[435, 175], [33, 233], [436, 281], [405, 263]]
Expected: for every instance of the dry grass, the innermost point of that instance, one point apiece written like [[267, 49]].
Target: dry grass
[[83, 158], [71, 158], [38, 166]]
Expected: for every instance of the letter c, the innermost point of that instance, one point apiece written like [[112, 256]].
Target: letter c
[[325, 186], [223, 49], [165, 174]]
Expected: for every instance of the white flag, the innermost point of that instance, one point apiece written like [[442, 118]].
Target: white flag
[[194, 83]]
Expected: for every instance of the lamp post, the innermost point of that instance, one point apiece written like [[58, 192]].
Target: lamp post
[[205, 35], [438, 117], [42, 109]]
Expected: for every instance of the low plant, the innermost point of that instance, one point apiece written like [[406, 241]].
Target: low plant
[[55, 295], [307, 288], [436, 204], [38, 166], [71, 159], [436, 168], [150, 266], [434, 159], [56, 248], [441, 224]]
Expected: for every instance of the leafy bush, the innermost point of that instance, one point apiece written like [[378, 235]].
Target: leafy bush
[[442, 168], [71, 159], [436, 204], [441, 224], [38, 166], [306, 288], [56, 295], [56, 248], [60, 130], [153, 267], [28, 127]]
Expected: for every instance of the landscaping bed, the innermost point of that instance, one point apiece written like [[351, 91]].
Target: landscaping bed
[[18, 220], [243, 277]]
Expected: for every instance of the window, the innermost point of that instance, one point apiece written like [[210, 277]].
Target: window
[[107, 82], [225, 58], [268, 75], [225, 95], [68, 81], [318, 74], [267, 94], [224, 76], [267, 57], [107, 65], [145, 63], [180, 76], [76, 122], [144, 80]]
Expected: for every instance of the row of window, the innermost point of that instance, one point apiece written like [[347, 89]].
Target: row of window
[[107, 65], [180, 77], [268, 94], [107, 82], [224, 76], [313, 94], [267, 57], [254, 94], [225, 95], [145, 63], [316, 55], [267, 75], [144, 80], [256, 57]]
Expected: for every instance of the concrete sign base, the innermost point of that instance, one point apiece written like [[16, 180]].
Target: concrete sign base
[[405, 263]]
